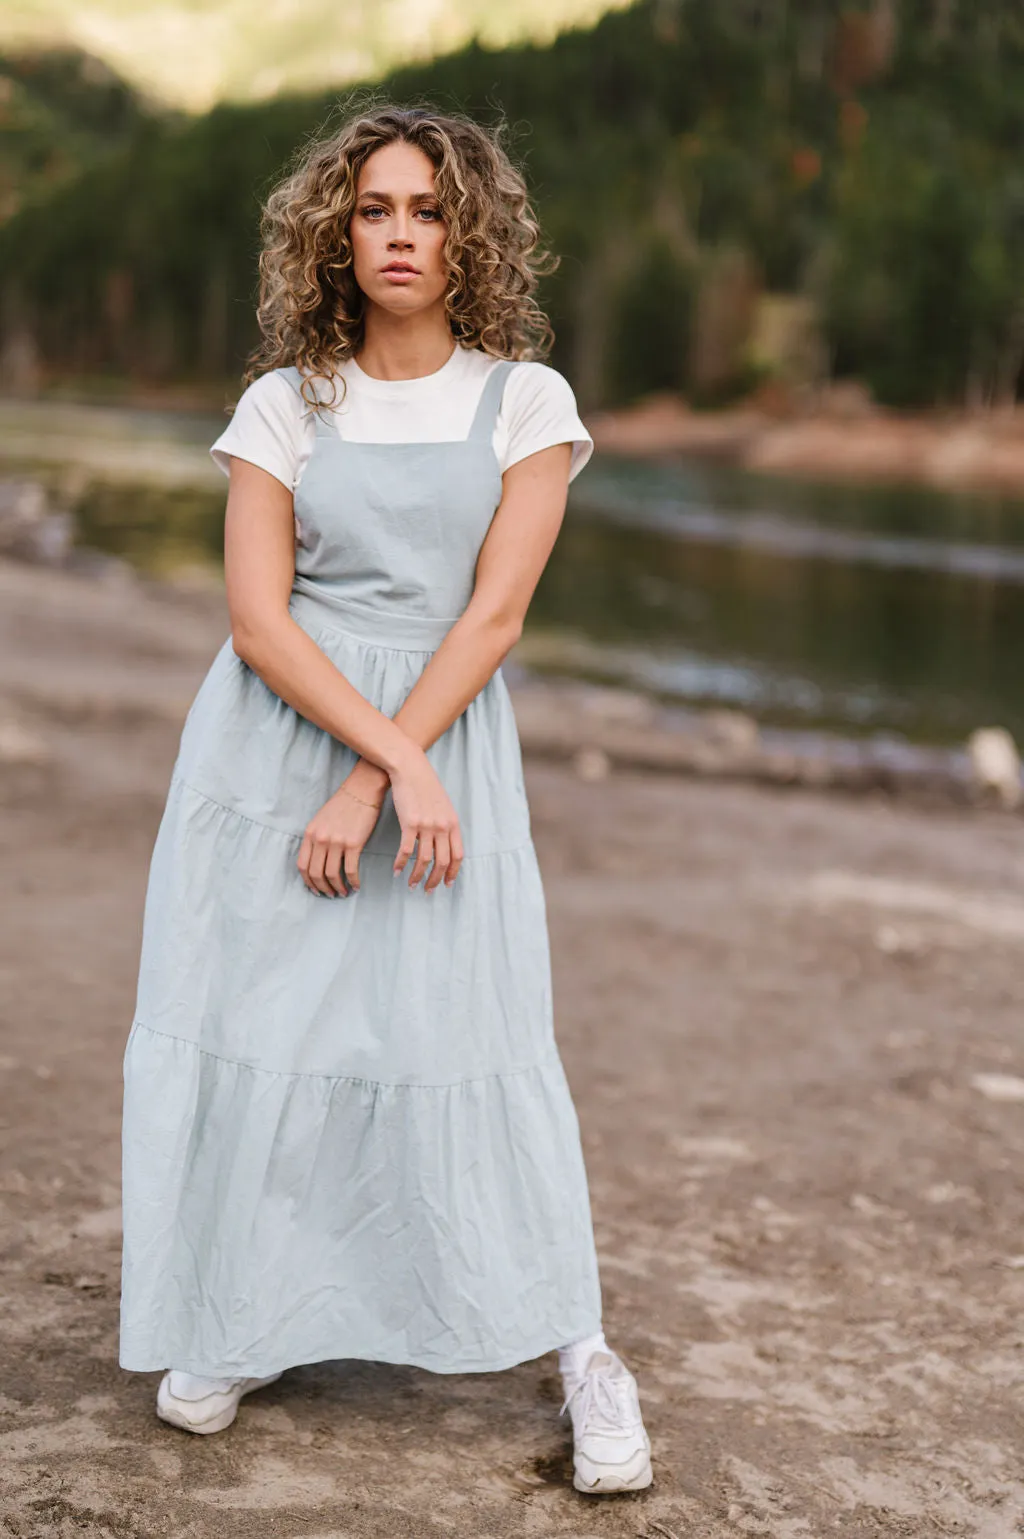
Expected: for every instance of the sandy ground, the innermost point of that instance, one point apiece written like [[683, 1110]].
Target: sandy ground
[[792, 1024]]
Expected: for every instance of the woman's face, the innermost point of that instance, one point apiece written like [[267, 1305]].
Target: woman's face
[[397, 220]]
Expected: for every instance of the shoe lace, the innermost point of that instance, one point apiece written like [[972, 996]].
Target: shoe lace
[[600, 1399]]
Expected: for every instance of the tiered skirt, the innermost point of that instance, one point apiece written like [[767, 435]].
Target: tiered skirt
[[347, 1131]]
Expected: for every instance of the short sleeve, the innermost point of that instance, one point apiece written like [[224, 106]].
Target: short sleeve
[[266, 429], [538, 409]]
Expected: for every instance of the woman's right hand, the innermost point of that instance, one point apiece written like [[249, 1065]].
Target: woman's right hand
[[427, 819]]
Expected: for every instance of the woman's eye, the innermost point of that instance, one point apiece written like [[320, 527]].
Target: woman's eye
[[376, 208]]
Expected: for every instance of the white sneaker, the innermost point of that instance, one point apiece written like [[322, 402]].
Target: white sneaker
[[611, 1449], [202, 1405]]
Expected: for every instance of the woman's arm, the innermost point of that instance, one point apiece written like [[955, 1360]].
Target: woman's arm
[[259, 570], [512, 558]]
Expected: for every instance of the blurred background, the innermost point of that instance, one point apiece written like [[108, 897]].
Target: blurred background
[[790, 302]]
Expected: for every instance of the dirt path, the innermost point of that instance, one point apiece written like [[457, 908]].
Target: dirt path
[[793, 1027]]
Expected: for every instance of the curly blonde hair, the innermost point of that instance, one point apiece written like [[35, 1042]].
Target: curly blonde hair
[[310, 308]]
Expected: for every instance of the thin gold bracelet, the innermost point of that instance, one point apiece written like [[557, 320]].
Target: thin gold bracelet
[[375, 805]]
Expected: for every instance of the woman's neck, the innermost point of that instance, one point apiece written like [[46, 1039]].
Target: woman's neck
[[396, 348]]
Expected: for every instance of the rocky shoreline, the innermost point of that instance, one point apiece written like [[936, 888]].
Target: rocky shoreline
[[599, 729], [837, 436]]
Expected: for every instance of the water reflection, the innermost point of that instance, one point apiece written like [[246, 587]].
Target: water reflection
[[748, 602]]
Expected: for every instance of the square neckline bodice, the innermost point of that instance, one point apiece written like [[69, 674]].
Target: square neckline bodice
[[481, 428]]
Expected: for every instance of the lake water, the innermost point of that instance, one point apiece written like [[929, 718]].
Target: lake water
[[895, 611], [866, 610]]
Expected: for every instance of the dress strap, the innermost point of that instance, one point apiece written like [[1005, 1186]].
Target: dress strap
[[489, 403]]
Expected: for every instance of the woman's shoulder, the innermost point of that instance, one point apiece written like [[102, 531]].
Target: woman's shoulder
[[526, 368], [533, 381], [281, 386], [273, 399], [532, 370], [538, 410], [534, 386], [266, 426], [537, 368]]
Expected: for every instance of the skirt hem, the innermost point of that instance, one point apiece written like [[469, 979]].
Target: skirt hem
[[548, 1342]]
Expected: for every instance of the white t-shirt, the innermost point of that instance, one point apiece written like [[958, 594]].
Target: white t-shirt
[[273, 428]]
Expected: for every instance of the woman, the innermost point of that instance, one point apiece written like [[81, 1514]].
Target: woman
[[347, 1131]]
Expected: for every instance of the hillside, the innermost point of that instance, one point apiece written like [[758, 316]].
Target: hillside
[[194, 53], [61, 111]]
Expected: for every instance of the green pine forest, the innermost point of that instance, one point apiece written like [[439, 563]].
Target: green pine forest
[[855, 171]]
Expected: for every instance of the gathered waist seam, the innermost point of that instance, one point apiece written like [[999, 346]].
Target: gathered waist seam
[[391, 630], [552, 1060]]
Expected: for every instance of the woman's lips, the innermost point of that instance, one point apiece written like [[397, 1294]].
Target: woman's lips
[[400, 274]]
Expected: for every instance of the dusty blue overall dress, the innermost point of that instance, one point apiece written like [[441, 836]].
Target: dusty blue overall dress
[[347, 1132]]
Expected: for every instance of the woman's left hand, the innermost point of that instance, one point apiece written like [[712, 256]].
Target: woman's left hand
[[335, 836]]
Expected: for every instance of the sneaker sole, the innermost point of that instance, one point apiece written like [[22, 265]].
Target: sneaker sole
[[167, 1409], [604, 1479]]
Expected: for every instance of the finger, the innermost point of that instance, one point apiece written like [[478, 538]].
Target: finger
[[457, 855], [332, 870], [423, 856], [404, 849], [302, 861], [442, 856], [352, 867], [317, 861]]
